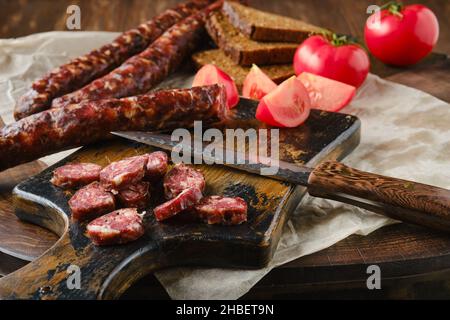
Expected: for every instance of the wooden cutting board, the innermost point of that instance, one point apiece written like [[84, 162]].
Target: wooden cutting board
[[108, 271]]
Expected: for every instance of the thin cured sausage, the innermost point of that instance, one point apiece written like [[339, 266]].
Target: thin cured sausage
[[117, 227], [76, 174], [140, 73], [75, 125], [82, 70]]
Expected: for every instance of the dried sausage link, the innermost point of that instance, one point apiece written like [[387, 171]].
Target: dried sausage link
[[75, 125], [140, 73], [82, 70]]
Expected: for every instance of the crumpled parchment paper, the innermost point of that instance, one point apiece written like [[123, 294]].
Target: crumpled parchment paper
[[405, 134]]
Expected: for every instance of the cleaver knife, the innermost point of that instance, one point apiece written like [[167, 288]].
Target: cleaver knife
[[399, 199]]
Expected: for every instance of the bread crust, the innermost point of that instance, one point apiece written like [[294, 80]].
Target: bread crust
[[264, 26], [244, 51]]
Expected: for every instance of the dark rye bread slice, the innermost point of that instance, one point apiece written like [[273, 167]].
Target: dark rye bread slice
[[264, 26], [243, 50], [278, 73]]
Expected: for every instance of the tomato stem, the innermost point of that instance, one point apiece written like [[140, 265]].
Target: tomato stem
[[394, 8], [338, 40], [341, 39]]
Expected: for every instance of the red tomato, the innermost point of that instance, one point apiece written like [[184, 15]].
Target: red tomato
[[335, 60], [286, 106], [257, 84], [402, 36], [326, 94], [210, 74]]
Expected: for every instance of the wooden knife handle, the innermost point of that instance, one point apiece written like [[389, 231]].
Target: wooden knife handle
[[403, 200]]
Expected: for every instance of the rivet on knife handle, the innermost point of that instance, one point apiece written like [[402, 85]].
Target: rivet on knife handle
[[403, 200]]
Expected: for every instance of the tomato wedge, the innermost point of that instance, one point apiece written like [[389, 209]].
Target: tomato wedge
[[286, 106], [257, 84], [327, 94], [210, 74]]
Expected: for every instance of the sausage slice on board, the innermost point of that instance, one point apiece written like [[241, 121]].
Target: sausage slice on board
[[184, 201], [222, 210], [76, 174], [180, 178], [90, 202], [135, 196], [123, 173], [117, 227], [157, 165]]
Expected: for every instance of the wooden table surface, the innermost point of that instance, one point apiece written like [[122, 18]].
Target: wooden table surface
[[23, 17], [320, 274]]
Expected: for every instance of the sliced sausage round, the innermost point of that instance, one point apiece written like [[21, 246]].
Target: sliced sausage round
[[76, 174], [90, 202], [180, 178], [184, 201], [120, 174], [117, 227], [135, 195], [157, 165], [222, 210]]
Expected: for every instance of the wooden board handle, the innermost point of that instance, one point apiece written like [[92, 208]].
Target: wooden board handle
[[403, 200], [101, 275]]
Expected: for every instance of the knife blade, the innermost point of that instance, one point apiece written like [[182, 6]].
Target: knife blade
[[282, 170], [400, 199], [244, 110]]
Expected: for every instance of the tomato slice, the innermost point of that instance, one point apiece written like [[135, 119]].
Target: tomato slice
[[257, 84], [210, 74], [263, 114], [286, 106], [327, 94]]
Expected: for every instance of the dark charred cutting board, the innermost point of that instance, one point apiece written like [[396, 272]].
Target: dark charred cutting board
[[106, 272]]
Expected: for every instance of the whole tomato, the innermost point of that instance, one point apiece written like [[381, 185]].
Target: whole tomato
[[336, 59], [403, 35]]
